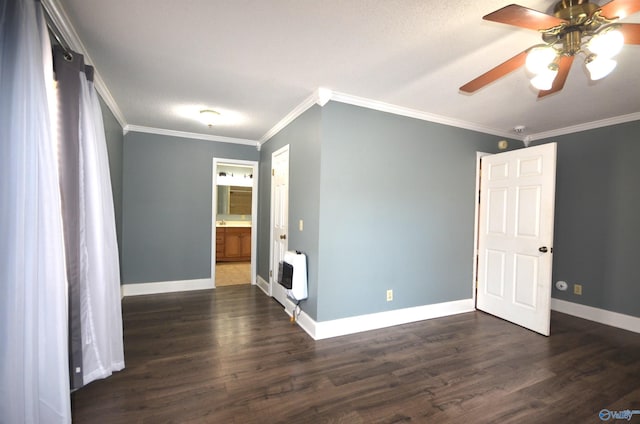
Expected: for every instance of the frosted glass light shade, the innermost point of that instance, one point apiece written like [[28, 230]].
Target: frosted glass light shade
[[544, 80], [600, 67], [606, 44], [209, 117], [539, 58]]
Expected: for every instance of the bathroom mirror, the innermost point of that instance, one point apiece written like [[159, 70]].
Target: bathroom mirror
[[234, 200]]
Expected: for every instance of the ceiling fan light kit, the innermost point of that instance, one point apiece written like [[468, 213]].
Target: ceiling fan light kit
[[607, 42], [576, 27], [539, 58], [599, 67], [544, 79]]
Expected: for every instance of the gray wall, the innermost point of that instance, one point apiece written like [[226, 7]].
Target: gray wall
[[387, 203], [396, 211], [167, 205], [597, 229], [303, 138], [115, 140]]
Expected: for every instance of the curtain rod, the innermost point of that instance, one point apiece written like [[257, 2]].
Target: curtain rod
[[53, 30]]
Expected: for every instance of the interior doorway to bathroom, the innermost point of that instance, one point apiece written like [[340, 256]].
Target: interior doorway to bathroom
[[234, 207]]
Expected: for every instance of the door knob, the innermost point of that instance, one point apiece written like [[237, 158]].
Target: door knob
[[283, 237], [543, 249]]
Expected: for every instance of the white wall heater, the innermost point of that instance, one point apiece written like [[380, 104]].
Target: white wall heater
[[292, 275]]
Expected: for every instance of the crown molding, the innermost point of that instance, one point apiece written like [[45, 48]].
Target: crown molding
[[418, 114], [184, 134], [320, 96], [62, 22], [587, 126]]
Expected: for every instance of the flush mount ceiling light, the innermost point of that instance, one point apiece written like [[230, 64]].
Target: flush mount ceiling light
[[576, 27], [221, 117], [209, 117]]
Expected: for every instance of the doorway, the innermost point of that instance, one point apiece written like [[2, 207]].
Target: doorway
[[234, 206]]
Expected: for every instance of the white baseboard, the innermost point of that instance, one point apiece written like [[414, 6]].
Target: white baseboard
[[263, 285], [360, 323], [166, 287], [614, 319]]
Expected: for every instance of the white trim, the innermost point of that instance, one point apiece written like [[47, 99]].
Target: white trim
[[614, 319], [323, 95], [320, 96], [417, 114], [263, 285], [184, 134], [137, 289], [476, 223], [587, 126], [278, 152], [254, 212], [340, 327], [69, 34]]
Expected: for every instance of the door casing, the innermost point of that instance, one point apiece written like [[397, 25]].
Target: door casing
[[254, 213]]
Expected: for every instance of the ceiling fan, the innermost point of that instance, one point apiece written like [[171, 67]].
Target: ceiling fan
[[576, 26]]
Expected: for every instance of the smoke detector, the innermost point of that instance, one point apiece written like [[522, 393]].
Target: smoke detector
[[519, 129]]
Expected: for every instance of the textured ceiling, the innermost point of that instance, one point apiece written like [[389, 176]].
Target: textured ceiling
[[255, 61]]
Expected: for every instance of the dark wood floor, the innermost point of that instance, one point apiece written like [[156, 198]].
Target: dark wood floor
[[231, 356]]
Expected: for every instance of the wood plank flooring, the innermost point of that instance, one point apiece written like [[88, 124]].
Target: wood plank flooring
[[230, 355]]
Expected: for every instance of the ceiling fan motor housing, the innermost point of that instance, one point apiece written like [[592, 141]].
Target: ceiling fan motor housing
[[577, 14], [570, 9]]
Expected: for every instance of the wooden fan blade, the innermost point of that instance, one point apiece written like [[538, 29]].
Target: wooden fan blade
[[563, 71], [499, 71], [524, 17], [620, 8], [631, 33]]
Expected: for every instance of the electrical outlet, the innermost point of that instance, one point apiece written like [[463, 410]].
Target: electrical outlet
[[389, 295], [577, 289]]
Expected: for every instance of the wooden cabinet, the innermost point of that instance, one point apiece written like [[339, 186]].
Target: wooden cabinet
[[233, 244]]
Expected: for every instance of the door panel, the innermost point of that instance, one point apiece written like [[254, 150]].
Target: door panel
[[517, 193], [279, 217], [495, 273]]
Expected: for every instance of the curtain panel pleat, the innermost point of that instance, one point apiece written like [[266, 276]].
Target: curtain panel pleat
[[67, 68], [102, 347]]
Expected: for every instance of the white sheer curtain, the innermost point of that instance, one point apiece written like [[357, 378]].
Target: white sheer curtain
[[102, 348], [34, 282], [34, 379]]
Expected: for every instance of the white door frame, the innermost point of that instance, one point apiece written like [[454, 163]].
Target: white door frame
[[273, 272], [476, 240], [254, 213]]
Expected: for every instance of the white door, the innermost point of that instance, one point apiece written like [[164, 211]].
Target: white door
[[279, 217], [517, 193]]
